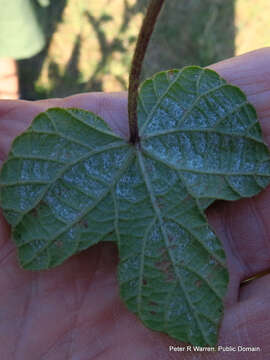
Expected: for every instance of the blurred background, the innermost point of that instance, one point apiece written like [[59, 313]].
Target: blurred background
[[89, 43]]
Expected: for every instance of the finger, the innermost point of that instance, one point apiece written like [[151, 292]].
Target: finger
[[243, 225], [251, 73], [250, 317], [15, 116]]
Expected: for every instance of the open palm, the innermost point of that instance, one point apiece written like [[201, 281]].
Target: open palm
[[74, 311]]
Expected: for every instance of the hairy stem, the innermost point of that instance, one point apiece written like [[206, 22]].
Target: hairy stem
[[136, 66]]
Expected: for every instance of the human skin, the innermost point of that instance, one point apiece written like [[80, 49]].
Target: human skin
[[9, 82], [74, 312]]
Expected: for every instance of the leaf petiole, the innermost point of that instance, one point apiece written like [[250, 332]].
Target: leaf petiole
[[136, 66]]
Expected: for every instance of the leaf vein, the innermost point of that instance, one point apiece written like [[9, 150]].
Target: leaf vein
[[164, 235], [129, 158]]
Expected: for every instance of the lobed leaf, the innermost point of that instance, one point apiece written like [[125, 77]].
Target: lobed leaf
[[69, 182]]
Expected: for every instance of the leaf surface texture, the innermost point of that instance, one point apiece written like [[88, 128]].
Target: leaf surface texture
[[69, 183]]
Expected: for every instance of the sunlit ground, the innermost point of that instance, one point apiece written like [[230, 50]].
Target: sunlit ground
[[92, 46], [252, 25]]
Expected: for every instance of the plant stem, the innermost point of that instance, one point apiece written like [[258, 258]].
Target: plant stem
[[136, 66]]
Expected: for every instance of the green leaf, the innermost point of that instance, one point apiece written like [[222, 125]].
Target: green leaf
[[69, 182]]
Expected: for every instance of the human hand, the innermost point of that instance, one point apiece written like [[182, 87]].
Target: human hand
[[74, 311]]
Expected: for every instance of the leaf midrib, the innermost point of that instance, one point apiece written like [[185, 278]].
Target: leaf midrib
[[202, 172], [159, 217], [202, 130]]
